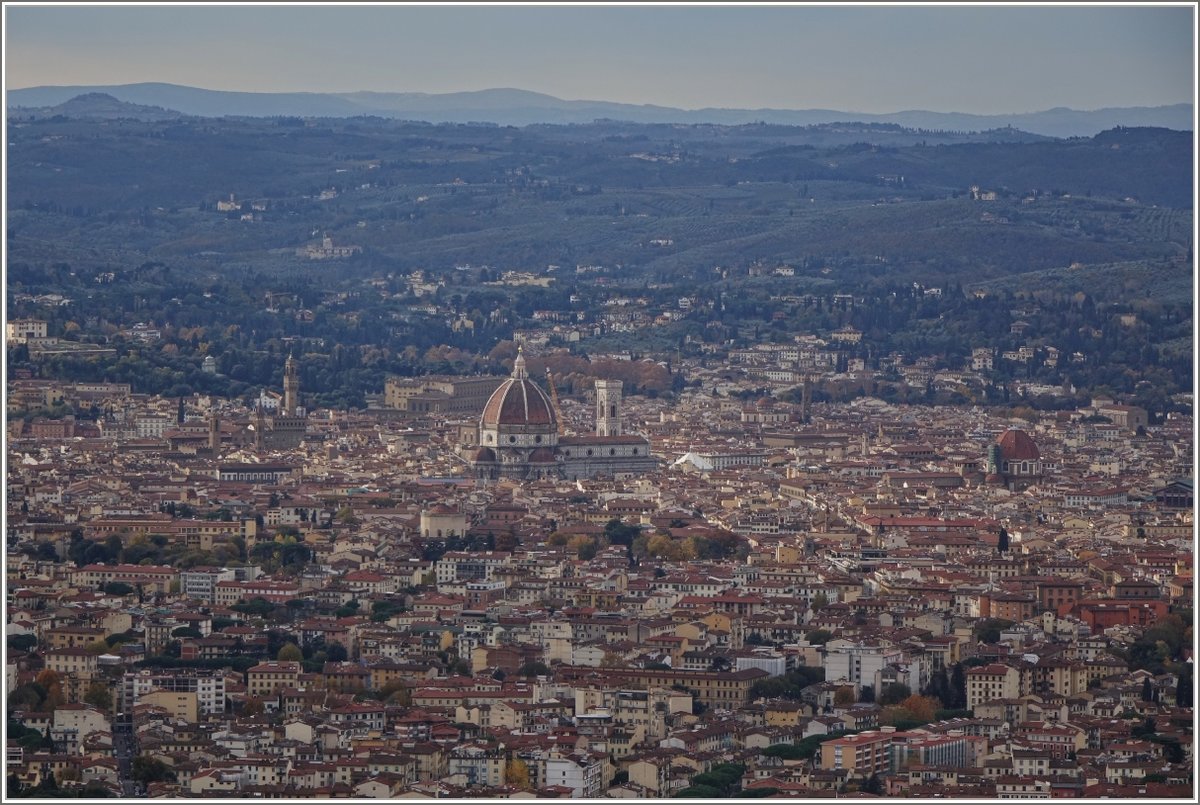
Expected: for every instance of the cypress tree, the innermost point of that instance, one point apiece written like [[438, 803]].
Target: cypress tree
[[1183, 688], [958, 682]]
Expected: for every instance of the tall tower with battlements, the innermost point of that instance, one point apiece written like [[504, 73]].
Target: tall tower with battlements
[[291, 387]]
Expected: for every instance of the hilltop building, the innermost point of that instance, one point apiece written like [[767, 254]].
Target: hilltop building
[[328, 251]]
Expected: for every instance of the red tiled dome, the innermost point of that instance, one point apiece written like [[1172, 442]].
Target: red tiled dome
[[1015, 445], [543, 455], [519, 402]]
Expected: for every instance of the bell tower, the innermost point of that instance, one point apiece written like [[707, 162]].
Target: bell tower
[[291, 387], [214, 431], [608, 407]]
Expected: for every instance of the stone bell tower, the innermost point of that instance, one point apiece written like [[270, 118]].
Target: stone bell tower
[[608, 407]]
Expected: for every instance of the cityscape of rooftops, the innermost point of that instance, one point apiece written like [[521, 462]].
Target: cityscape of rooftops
[[659, 429]]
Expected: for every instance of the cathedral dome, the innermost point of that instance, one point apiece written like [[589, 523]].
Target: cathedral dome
[[1015, 445], [484, 454], [542, 455], [519, 402]]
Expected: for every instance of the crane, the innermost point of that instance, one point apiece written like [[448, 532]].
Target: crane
[[554, 400]]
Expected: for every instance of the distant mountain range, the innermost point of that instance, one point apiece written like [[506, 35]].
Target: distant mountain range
[[516, 107]]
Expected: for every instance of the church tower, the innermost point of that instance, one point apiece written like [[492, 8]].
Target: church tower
[[608, 407], [291, 387], [214, 431]]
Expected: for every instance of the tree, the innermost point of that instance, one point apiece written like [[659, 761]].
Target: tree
[[336, 652], [258, 606], [1183, 687], [516, 773], [894, 693], [818, 637], [290, 653], [252, 706], [146, 769], [844, 696], [99, 695], [698, 792], [1002, 543], [819, 601], [867, 694], [873, 785], [922, 708], [48, 783], [535, 668], [958, 686], [1147, 690], [49, 682], [988, 629]]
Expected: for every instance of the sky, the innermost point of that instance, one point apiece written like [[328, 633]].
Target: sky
[[874, 59]]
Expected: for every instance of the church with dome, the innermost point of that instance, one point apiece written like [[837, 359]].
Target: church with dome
[[1014, 461], [519, 436]]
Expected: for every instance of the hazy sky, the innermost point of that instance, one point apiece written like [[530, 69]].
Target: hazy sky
[[863, 59]]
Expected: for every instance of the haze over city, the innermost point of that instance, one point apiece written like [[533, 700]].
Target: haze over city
[[867, 59]]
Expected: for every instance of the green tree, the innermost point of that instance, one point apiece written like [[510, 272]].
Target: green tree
[[958, 687], [699, 792], [988, 629], [146, 770], [873, 786], [894, 693], [289, 653], [532, 669], [98, 694], [819, 637], [1183, 687]]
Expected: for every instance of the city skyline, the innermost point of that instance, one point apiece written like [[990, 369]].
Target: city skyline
[[857, 58]]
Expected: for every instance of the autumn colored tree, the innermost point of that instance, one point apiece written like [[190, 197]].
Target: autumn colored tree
[[582, 546], [49, 681], [844, 696], [894, 715], [922, 708], [516, 774]]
